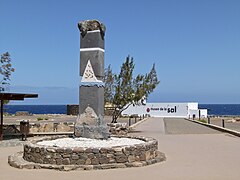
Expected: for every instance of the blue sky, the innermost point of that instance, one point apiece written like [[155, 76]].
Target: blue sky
[[195, 45]]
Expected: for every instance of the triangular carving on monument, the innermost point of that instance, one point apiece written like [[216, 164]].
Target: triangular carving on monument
[[88, 75]]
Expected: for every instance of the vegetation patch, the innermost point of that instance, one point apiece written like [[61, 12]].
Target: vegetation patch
[[42, 118], [203, 121]]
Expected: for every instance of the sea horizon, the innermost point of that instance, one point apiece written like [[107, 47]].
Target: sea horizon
[[213, 109]]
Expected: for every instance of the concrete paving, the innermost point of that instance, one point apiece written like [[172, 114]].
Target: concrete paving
[[189, 156], [184, 126]]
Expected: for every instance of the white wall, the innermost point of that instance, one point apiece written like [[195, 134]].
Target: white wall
[[193, 105], [162, 109], [195, 112], [204, 113]]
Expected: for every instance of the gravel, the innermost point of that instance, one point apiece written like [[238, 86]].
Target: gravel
[[90, 143]]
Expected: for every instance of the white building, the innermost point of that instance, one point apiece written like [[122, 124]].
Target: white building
[[179, 110]]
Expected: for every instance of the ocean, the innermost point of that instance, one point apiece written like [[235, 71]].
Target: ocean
[[221, 109], [213, 109], [37, 109]]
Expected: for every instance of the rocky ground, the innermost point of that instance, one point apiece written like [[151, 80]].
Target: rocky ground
[[41, 124], [230, 122], [43, 118]]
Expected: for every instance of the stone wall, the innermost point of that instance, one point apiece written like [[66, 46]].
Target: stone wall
[[40, 127], [118, 128], [114, 128], [72, 109], [22, 113], [52, 127], [99, 158]]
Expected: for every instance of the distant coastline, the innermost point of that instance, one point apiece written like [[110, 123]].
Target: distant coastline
[[213, 109], [37, 109]]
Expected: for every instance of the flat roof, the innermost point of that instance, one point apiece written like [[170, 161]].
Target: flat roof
[[16, 96], [11, 96]]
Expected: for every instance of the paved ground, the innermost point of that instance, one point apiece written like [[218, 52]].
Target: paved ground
[[189, 156], [182, 126], [11, 143]]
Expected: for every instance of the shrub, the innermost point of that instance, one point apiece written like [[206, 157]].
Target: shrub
[[39, 118], [203, 121], [42, 118]]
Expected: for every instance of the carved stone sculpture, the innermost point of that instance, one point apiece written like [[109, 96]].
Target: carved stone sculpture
[[90, 122], [91, 25]]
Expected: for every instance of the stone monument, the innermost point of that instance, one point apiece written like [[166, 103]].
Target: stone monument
[[70, 153], [90, 122]]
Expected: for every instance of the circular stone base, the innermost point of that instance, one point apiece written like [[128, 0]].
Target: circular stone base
[[37, 156], [17, 161]]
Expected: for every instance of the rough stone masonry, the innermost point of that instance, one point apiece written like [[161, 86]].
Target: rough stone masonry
[[90, 122]]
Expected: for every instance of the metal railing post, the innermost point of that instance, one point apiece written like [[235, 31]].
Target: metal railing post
[[129, 121], [209, 120], [223, 123]]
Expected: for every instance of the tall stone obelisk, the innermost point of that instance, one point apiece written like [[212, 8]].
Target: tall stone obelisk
[[90, 122]]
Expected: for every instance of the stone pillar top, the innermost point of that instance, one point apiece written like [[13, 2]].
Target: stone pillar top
[[91, 25]]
